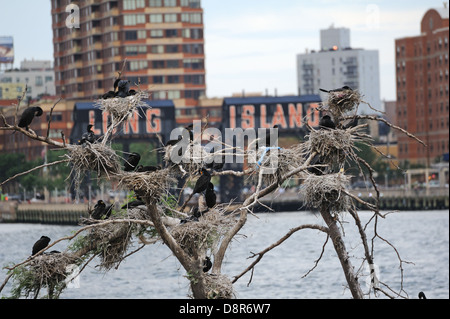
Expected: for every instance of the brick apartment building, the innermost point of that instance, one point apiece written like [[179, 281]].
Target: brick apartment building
[[162, 41], [422, 72]]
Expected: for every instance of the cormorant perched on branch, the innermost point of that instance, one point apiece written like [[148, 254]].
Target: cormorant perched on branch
[[131, 162], [28, 116], [101, 211], [40, 244], [88, 135], [327, 123], [210, 195], [207, 264], [202, 182]]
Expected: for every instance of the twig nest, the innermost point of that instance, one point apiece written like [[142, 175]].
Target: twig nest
[[218, 287], [205, 233], [326, 189], [150, 186], [331, 145], [187, 160], [121, 108], [273, 163], [94, 157], [48, 270], [342, 102]]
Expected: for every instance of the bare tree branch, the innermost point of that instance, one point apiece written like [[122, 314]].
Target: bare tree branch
[[261, 254]]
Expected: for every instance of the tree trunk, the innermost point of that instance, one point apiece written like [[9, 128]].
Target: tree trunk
[[341, 251]]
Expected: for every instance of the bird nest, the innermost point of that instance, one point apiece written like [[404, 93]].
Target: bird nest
[[218, 287], [120, 108], [326, 190], [333, 146], [48, 270], [190, 162], [150, 186], [342, 102], [94, 157], [205, 233], [275, 163]]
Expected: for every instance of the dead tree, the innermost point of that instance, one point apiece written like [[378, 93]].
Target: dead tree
[[193, 238]]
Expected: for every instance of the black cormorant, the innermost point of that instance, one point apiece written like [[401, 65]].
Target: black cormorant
[[326, 122], [40, 244], [88, 136], [190, 127], [28, 116], [316, 170], [108, 95], [174, 142], [132, 162], [202, 182], [135, 203], [207, 264], [210, 195], [132, 92], [422, 295], [344, 88], [123, 88], [101, 211], [142, 169], [351, 124]]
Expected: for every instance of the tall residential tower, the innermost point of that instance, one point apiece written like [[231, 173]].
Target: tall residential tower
[[162, 41], [337, 64], [422, 89]]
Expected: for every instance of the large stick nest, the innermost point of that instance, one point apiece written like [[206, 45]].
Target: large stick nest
[[94, 157], [343, 102], [275, 163], [121, 109], [326, 189], [205, 233], [150, 186], [111, 241], [190, 162], [218, 287], [48, 270]]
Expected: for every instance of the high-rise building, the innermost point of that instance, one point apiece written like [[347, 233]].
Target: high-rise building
[[161, 40], [338, 64], [422, 89]]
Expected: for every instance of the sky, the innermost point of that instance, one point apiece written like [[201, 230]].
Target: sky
[[252, 45]]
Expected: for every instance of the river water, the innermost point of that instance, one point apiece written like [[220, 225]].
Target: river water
[[421, 239]]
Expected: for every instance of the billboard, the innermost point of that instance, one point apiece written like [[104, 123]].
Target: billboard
[[145, 123], [288, 112], [6, 50]]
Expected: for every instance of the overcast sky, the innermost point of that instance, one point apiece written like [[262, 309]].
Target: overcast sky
[[252, 45]]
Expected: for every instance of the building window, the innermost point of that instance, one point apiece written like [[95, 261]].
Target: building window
[[133, 4], [170, 17], [170, 3], [156, 18], [155, 3], [158, 79], [156, 33], [173, 79], [157, 49]]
